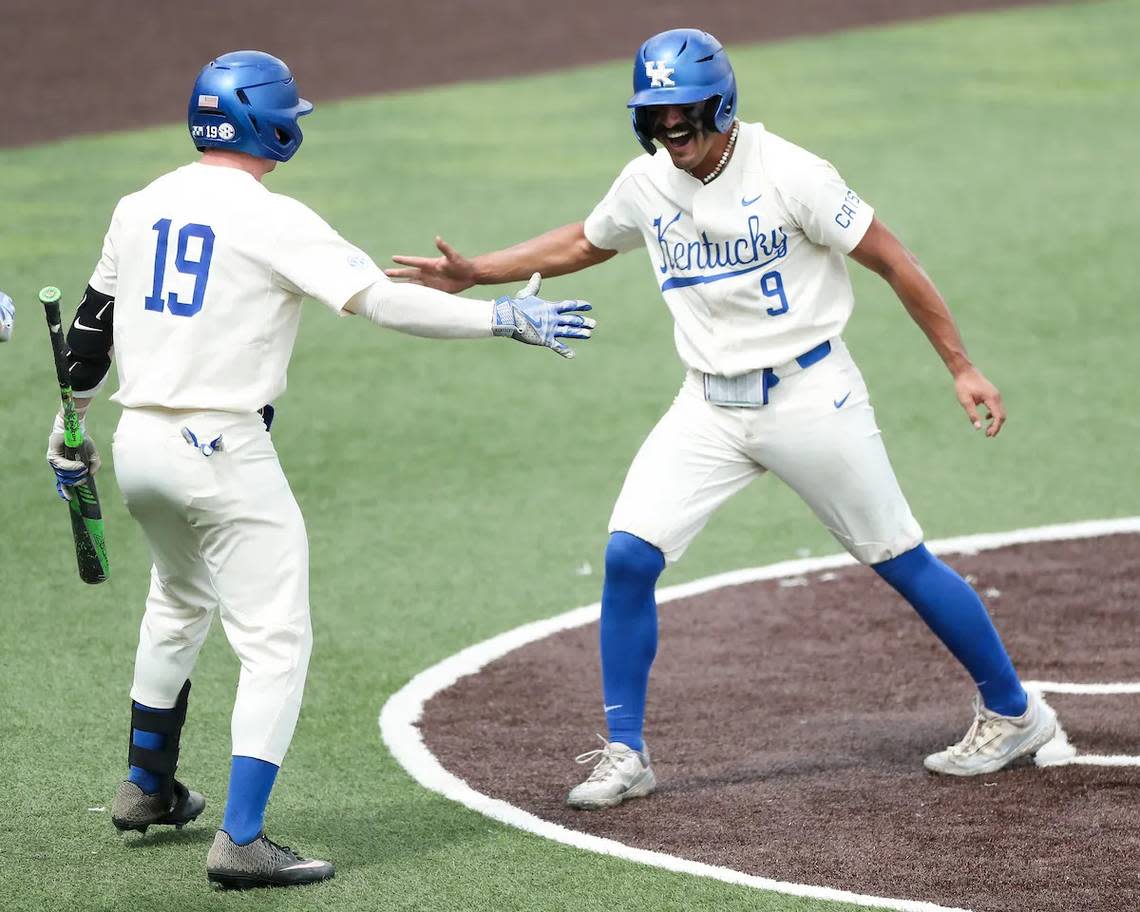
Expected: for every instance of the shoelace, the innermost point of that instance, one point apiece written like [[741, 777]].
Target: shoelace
[[975, 738], [605, 757], [284, 848]]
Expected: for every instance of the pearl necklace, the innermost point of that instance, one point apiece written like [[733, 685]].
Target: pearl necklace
[[725, 156]]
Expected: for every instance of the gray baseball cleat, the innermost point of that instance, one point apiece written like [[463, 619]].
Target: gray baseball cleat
[[134, 809], [261, 863], [619, 774], [994, 741]]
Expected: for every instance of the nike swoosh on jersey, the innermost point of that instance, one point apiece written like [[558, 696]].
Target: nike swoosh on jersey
[[749, 202], [90, 329], [838, 403]]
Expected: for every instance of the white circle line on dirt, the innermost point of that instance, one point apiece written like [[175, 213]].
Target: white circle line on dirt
[[402, 712]]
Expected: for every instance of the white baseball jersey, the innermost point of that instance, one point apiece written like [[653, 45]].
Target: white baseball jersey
[[752, 264], [208, 269]]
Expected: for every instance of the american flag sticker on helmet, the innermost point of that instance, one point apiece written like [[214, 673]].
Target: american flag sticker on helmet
[[208, 101]]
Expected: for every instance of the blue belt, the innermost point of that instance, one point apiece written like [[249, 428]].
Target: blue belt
[[807, 359]]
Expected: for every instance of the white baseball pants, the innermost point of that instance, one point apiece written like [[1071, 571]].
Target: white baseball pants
[[225, 533], [817, 433]]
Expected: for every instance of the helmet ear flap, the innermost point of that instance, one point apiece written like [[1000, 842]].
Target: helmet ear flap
[[642, 129], [719, 112], [709, 114]]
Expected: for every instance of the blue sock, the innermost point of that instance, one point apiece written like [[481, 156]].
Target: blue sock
[[146, 780], [959, 619], [251, 781], [628, 633]]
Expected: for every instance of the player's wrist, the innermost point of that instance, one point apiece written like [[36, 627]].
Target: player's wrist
[[480, 274], [959, 365]]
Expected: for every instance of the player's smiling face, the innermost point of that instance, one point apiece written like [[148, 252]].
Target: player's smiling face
[[682, 134]]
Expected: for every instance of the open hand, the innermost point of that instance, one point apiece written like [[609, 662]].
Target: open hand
[[973, 389], [526, 317], [7, 317], [451, 272]]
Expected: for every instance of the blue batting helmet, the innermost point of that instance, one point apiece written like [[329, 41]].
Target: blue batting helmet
[[682, 67], [247, 101]]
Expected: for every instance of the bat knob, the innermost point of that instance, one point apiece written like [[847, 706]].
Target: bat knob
[[50, 295]]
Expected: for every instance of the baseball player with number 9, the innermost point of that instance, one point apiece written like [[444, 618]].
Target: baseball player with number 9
[[747, 235], [199, 286]]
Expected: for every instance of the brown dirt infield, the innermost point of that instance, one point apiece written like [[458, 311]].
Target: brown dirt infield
[[788, 727], [73, 66]]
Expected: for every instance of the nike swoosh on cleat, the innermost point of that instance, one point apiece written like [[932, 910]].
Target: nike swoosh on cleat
[[309, 863], [90, 329], [838, 403], [611, 708], [749, 202]]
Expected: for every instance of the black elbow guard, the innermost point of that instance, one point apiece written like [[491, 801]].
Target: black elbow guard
[[89, 341]]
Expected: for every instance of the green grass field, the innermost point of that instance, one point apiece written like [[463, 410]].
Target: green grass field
[[451, 490]]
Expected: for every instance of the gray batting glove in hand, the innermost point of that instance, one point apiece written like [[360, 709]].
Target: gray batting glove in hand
[[7, 317], [526, 317], [70, 471]]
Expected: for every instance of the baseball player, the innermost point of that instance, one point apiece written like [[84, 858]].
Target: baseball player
[[747, 235], [200, 286]]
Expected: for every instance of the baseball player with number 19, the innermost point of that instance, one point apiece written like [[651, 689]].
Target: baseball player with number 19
[[747, 235], [200, 287]]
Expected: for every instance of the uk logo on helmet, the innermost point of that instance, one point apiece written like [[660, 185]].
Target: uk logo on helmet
[[659, 74]]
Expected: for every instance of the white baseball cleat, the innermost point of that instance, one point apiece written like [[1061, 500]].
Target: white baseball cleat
[[620, 773], [994, 741]]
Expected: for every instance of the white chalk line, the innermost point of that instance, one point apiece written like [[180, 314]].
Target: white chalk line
[[403, 710], [1059, 751]]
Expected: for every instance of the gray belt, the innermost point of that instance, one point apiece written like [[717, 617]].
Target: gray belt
[[750, 390]]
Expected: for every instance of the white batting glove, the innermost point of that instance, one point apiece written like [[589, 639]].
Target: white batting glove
[[70, 471], [7, 317]]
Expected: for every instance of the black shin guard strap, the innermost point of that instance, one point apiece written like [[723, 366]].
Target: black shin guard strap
[[161, 761]]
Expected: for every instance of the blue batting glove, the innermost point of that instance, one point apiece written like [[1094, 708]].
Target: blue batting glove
[[7, 317], [526, 317]]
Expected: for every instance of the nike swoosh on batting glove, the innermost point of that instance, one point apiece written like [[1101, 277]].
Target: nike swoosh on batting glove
[[526, 317]]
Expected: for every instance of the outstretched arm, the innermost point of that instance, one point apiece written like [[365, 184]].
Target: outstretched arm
[[557, 252], [883, 253], [433, 314]]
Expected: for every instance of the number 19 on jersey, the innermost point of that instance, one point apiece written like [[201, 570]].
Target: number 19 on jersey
[[198, 268]]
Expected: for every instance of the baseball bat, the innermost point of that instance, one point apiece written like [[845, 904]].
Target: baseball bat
[[83, 507]]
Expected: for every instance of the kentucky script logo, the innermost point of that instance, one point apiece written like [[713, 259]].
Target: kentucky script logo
[[699, 262]]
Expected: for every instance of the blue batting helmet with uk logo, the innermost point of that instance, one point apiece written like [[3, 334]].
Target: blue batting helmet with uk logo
[[682, 67], [247, 101]]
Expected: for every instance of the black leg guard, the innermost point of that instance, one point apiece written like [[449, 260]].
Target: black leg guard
[[164, 761]]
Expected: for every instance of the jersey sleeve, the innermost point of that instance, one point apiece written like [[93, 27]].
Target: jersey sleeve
[[613, 223], [105, 278], [829, 212], [311, 259]]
